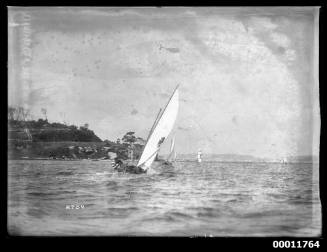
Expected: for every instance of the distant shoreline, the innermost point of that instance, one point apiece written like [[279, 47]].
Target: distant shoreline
[[181, 160]]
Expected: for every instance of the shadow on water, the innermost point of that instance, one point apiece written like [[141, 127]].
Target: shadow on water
[[65, 173]]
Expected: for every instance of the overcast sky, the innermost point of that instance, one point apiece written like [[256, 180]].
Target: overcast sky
[[246, 75]]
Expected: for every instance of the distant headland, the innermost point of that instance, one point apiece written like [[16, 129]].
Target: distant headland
[[35, 139]]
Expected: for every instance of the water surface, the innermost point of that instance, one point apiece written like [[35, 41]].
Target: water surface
[[211, 198]]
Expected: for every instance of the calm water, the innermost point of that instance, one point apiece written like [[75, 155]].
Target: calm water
[[211, 198]]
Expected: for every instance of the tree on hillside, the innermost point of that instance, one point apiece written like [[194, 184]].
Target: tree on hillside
[[129, 138], [140, 141], [44, 112], [18, 114], [21, 114], [11, 113], [25, 114], [85, 127], [63, 118]]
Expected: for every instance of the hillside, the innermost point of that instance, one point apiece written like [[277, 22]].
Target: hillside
[[43, 131], [71, 150], [41, 139]]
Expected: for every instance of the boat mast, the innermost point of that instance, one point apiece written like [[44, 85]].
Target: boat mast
[[150, 133]]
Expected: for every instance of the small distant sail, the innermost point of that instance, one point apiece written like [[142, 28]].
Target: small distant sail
[[172, 146], [172, 154], [160, 130], [199, 156]]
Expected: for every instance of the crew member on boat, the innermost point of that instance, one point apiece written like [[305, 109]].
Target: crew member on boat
[[119, 166]]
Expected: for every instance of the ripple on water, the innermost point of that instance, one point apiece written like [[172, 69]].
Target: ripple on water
[[223, 198]]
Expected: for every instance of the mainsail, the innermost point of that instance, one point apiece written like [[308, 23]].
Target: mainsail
[[160, 130]]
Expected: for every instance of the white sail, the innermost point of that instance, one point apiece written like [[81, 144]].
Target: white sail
[[199, 156], [160, 132], [172, 146], [172, 153]]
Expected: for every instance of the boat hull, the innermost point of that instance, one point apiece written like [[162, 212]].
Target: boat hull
[[131, 169]]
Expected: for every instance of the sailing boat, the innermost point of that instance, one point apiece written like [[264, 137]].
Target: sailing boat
[[199, 156], [172, 155], [160, 130], [284, 161]]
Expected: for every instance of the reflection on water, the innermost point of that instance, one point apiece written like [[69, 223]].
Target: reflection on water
[[216, 198]]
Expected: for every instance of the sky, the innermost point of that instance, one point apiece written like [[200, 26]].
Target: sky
[[247, 76]]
